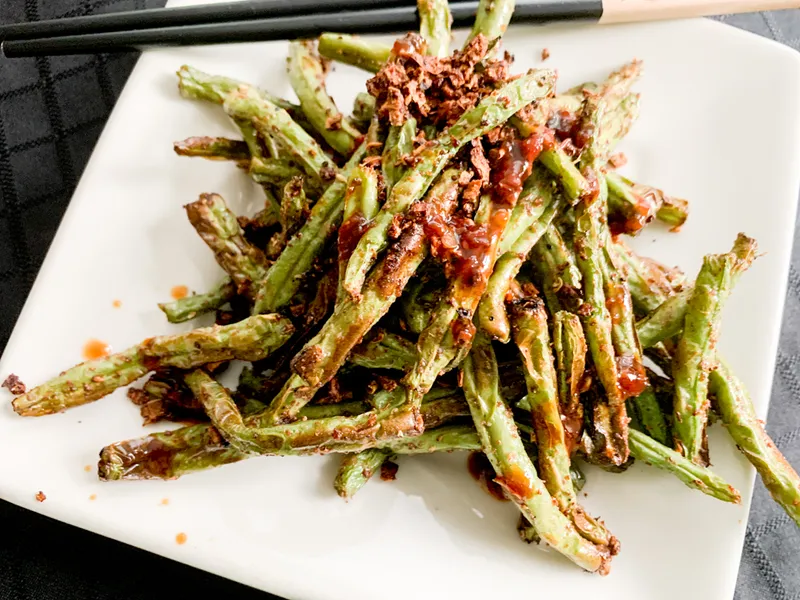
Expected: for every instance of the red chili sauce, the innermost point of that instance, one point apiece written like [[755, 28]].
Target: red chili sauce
[[636, 217], [563, 122], [350, 232], [511, 165], [631, 376]]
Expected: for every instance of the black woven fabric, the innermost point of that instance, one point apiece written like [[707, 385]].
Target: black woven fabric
[[51, 113]]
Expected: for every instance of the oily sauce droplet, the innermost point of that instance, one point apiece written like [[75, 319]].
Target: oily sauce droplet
[[517, 483], [179, 291], [94, 349], [631, 376], [116, 303], [482, 471], [180, 539], [93, 497]]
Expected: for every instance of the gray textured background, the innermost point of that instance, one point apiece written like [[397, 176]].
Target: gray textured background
[[51, 113]]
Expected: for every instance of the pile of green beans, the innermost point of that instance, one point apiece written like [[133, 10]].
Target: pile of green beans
[[532, 354]]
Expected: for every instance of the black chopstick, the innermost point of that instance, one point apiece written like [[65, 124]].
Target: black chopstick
[[190, 15], [379, 20]]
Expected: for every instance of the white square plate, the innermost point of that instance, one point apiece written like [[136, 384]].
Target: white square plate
[[720, 126]]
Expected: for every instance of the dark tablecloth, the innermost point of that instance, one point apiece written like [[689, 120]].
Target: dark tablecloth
[[51, 112]]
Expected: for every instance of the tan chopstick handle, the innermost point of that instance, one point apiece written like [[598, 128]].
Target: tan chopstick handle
[[628, 11]]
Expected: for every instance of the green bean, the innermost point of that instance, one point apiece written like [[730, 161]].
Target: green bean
[[385, 350], [246, 104], [695, 353], [352, 318], [516, 474], [434, 25], [185, 309], [399, 143], [363, 109], [589, 243], [360, 206], [273, 171], [214, 148], [733, 405], [533, 342], [540, 213], [569, 344], [307, 77], [649, 282], [286, 274], [251, 339], [648, 450], [220, 230], [197, 85], [356, 470], [490, 112], [555, 266], [354, 50], [492, 18], [181, 451], [666, 321]]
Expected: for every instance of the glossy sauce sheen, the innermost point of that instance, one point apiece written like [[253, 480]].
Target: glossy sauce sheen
[[618, 303], [563, 123], [350, 233], [94, 349], [408, 46], [631, 376], [482, 471], [511, 165], [517, 483]]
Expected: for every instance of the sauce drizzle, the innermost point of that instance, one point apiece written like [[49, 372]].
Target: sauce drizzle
[[511, 163]]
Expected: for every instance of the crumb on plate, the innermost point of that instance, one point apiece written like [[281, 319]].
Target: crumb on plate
[[389, 470], [14, 385]]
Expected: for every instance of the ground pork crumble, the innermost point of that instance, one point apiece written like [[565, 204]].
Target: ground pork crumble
[[435, 91]]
